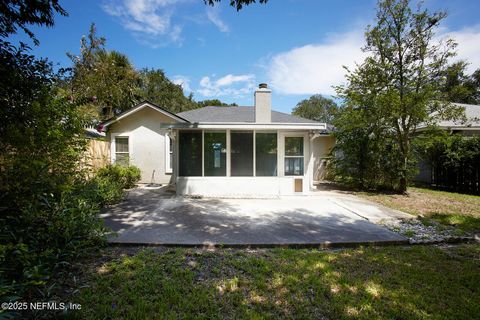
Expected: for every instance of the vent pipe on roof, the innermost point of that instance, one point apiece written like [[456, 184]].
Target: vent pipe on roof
[[263, 104]]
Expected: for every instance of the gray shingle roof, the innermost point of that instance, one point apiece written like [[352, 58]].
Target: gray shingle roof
[[236, 114], [472, 112]]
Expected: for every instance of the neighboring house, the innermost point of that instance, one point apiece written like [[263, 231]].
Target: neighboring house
[[470, 127], [467, 128], [222, 151]]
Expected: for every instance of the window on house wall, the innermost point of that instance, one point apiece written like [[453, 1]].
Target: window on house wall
[[215, 153], [168, 154], [265, 154], [294, 157], [121, 151], [190, 153], [241, 146]]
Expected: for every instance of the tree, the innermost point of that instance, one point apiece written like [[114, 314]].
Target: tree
[[155, 87], [42, 141], [317, 108], [22, 75], [216, 103], [457, 86], [238, 4], [21, 13], [103, 81], [395, 89]]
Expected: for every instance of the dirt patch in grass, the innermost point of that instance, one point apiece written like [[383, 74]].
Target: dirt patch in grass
[[447, 208]]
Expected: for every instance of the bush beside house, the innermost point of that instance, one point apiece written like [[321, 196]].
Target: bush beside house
[[127, 177], [42, 237], [48, 205], [454, 160]]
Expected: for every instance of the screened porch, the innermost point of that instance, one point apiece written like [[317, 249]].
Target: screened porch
[[240, 153]]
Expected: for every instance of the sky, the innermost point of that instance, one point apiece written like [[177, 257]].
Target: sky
[[297, 47]]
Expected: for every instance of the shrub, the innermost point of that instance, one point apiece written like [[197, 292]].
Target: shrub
[[48, 209], [42, 239], [126, 176], [101, 190], [454, 159]]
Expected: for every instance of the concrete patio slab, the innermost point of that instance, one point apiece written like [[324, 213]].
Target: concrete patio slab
[[153, 217]]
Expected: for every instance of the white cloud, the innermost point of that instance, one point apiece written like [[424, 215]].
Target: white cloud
[[213, 16], [468, 49], [184, 82], [150, 20], [315, 68], [230, 85]]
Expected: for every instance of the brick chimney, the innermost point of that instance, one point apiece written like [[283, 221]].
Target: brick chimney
[[263, 104]]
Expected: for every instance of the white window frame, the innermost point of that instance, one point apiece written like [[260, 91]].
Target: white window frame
[[113, 151], [289, 157], [168, 153]]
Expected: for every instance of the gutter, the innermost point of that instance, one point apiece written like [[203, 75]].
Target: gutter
[[237, 125]]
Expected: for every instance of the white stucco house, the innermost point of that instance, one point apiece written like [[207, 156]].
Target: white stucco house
[[222, 151]]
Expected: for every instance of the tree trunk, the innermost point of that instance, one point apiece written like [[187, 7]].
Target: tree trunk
[[402, 186]]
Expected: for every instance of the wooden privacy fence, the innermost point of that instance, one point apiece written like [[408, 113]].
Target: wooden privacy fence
[[97, 154], [465, 178]]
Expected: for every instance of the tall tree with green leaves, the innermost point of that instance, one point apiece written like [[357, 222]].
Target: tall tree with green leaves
[[398, 83], [20, 14], [215, 103], [317, 108], [103, 81], [458, 86], [44, 224], [155, 87]]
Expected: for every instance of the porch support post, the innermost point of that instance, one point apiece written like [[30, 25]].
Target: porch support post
[[228, 153]]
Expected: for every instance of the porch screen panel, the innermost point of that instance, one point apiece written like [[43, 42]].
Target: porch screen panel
[[215, 153], [266, 154], [241, 145], [190, 153]]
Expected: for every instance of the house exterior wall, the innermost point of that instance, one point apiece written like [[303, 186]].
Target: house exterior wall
[[258, 187], [147, 143], [321, 147]]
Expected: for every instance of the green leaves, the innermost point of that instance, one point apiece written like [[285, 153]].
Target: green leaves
[[457, 86], [22, 13], [155, 87], [104, 82], [317, 108], [390, 94], [237, 4], [455, 159]]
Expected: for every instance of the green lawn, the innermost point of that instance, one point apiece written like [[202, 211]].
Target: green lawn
[[416, 282], [451, 209]]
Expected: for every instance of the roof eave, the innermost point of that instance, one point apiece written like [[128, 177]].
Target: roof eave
[[245, 125], [139, 107]]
